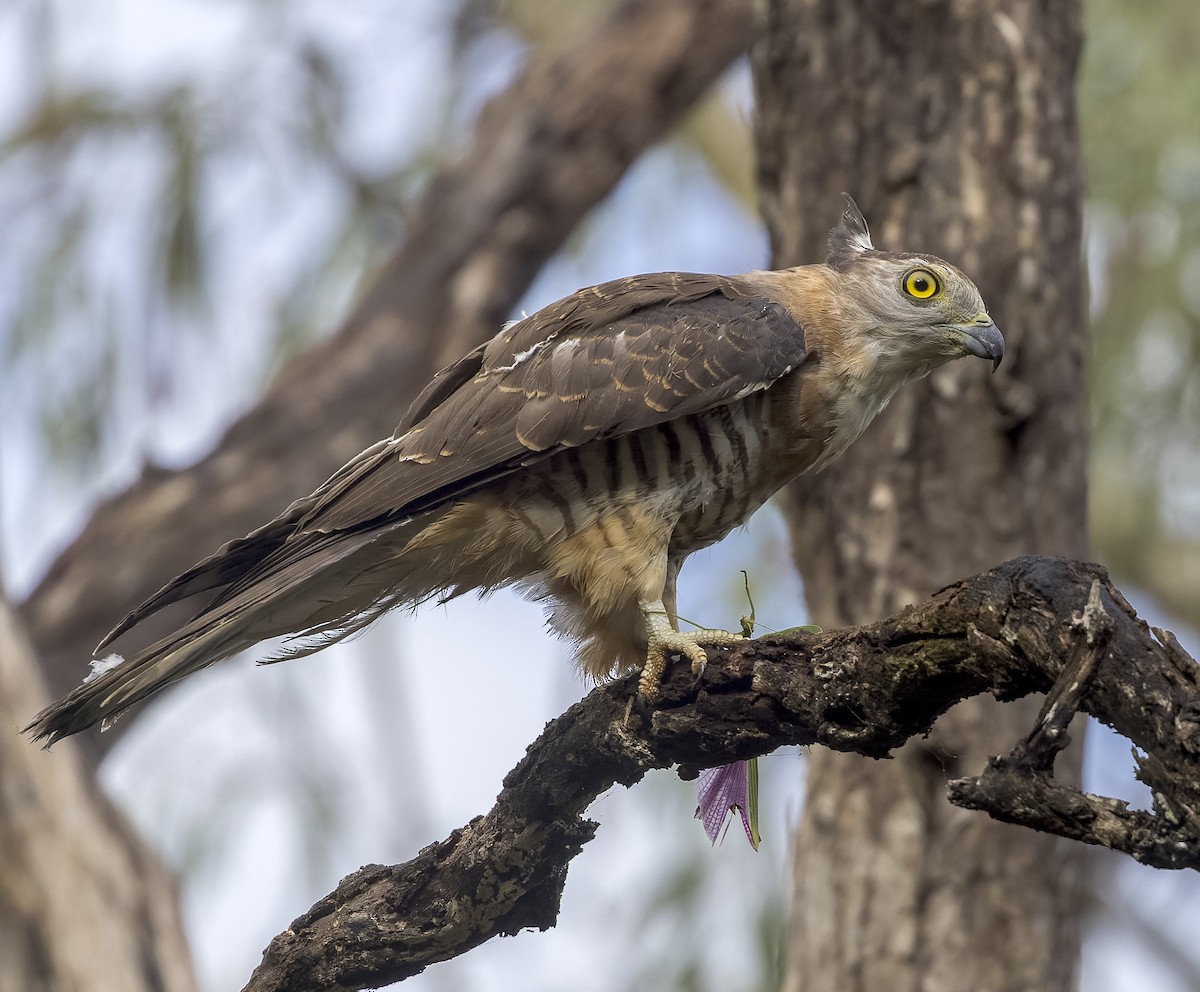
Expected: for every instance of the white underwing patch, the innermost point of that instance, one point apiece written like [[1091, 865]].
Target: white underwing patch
[[102, 665]]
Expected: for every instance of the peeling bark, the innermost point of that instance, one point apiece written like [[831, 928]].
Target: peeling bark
[[867, 690]]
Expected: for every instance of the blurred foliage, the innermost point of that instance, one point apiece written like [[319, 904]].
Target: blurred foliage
[[128, 192], [1140, 121]]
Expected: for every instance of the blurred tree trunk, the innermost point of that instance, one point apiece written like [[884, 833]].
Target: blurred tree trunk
[[84, 906], [954, 127]]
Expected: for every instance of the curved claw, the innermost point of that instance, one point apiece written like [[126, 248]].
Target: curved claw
[[689, 644]]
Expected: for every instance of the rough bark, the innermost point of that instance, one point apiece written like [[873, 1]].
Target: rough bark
[[83, 904], [543, 153], [1031, 625], [953, 124]]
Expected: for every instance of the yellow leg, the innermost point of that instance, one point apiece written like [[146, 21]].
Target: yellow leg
[[664, 641]]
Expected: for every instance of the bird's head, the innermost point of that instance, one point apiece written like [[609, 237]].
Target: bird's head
[[916, 312]]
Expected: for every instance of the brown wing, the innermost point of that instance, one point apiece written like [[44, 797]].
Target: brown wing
[[606, 360]]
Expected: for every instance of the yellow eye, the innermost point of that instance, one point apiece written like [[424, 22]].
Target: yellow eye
[[921, 284]]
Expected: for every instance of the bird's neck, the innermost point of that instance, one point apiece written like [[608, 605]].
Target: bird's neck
[[850, 377]]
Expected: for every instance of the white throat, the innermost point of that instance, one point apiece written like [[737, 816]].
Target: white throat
[[863, 397]]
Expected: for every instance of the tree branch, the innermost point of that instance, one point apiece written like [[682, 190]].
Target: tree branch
[[1023, 627], [544, 153]]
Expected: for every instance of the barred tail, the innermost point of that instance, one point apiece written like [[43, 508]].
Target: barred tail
[[284, 598], [314, 591], [116, 683]]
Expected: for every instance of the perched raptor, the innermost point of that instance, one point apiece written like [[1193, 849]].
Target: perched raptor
[[582, 454]]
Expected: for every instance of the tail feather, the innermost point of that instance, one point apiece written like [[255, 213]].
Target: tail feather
[[315, 589], [319, 636], [105, 695], [231, 561], [282, 601], [245, 560]]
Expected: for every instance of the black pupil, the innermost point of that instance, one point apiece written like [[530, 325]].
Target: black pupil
[[920, 284]]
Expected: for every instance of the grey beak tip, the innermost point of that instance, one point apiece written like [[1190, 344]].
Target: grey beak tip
[[985, 341]]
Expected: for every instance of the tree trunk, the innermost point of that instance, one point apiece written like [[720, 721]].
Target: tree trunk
[[83, 904], [954, 127]]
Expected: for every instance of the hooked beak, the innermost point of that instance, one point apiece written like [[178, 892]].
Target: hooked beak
[[983, 339]]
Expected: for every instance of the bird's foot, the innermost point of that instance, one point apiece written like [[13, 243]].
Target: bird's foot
[[666, 641]]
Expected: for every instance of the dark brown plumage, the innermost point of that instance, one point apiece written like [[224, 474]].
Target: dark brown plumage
[[583, 453]]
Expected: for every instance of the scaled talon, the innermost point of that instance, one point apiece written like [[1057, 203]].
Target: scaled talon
[[665, 640]]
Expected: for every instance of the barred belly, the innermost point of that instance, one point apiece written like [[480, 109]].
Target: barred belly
[[731, 474], [695, 478]]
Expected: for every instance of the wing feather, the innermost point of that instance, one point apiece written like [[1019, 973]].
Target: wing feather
[[604, 361], [562, 378]]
